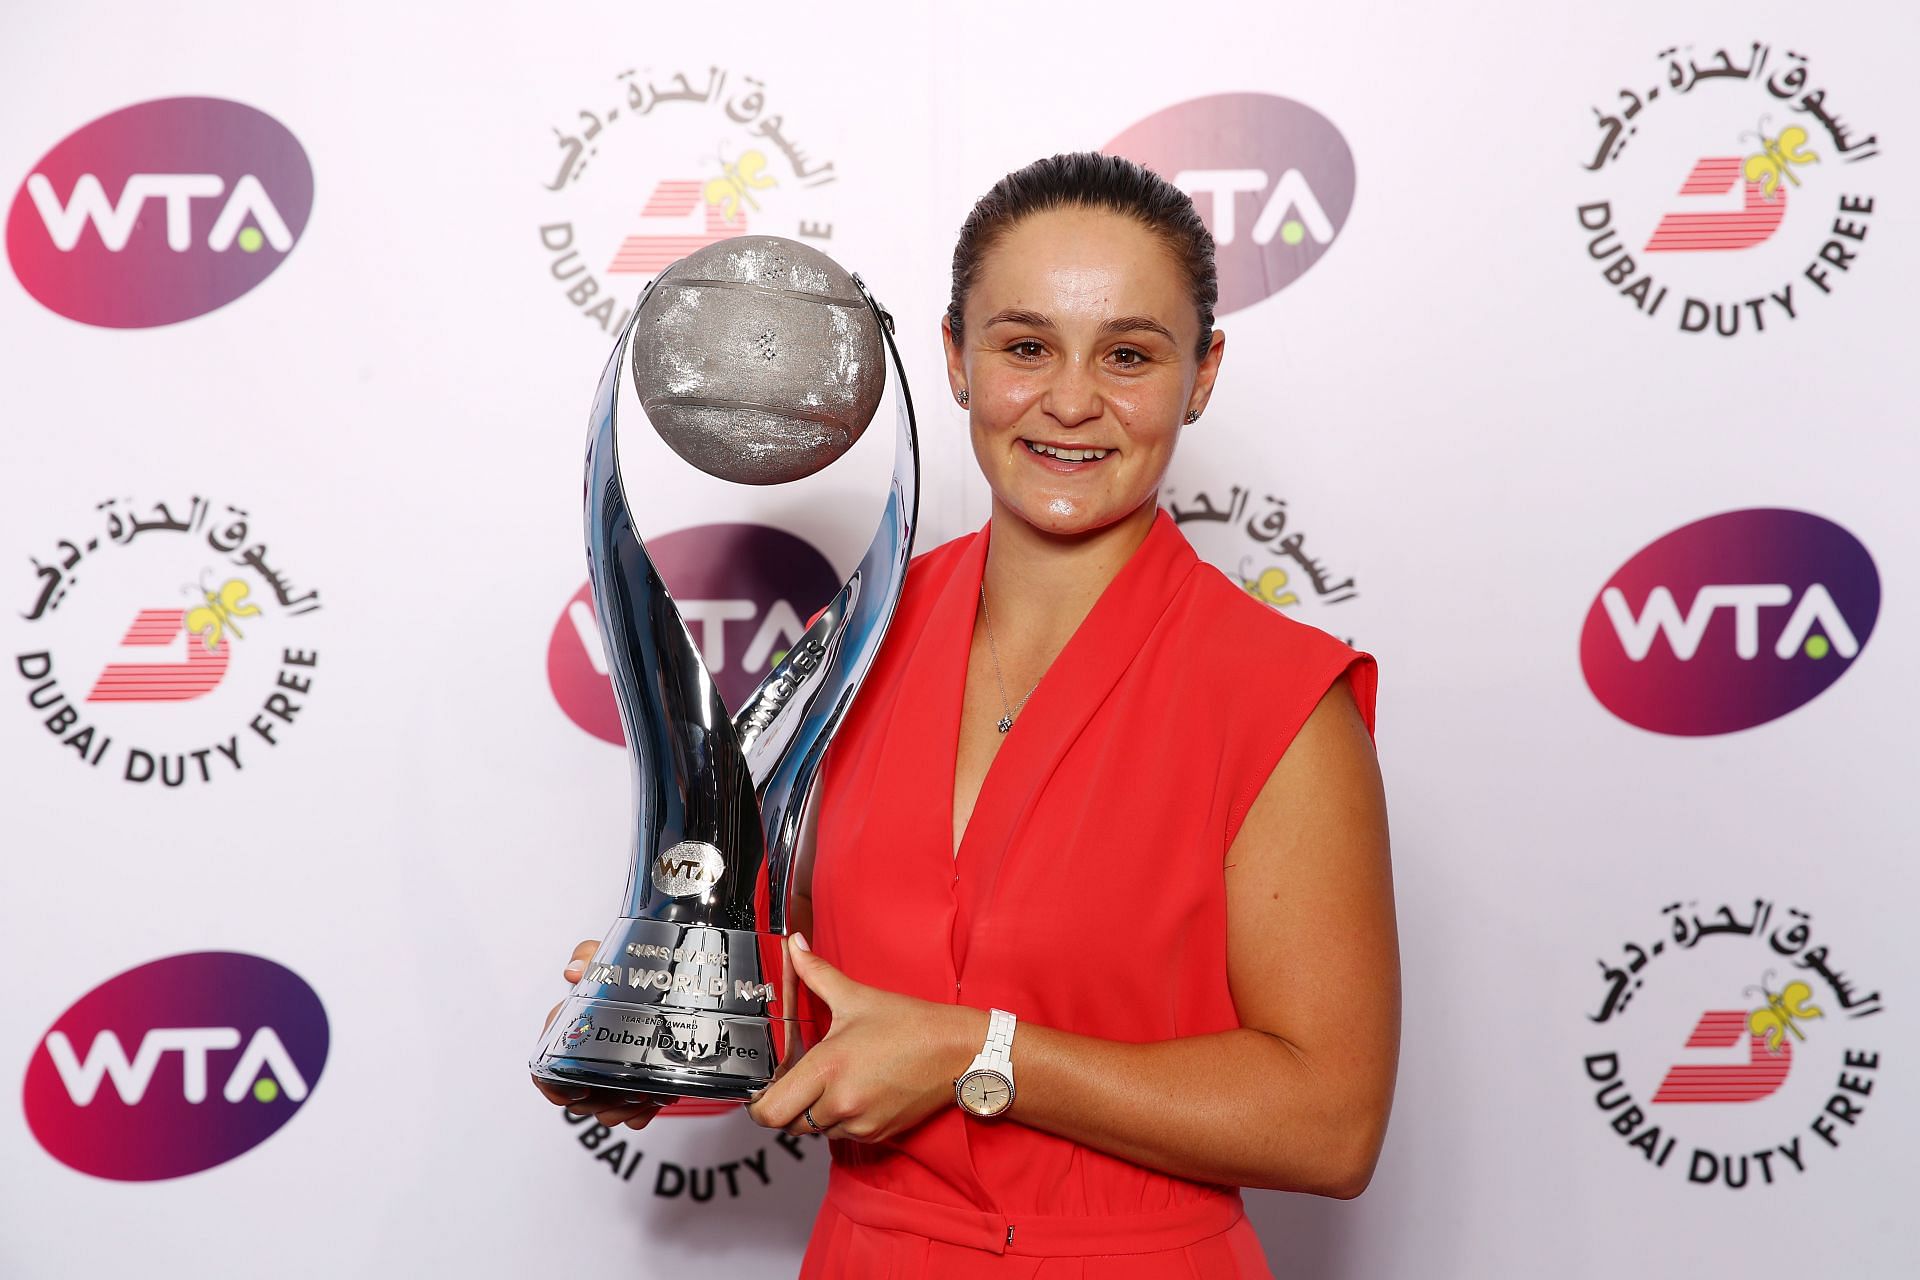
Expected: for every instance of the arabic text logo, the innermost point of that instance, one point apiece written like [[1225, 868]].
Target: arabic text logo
[[1252, 540], [1740, 196], [159, 212], [1730, 622], [216, 656], [1272, 178], [721, 163], [176, 1066], [1763, 1076], [745, 592]]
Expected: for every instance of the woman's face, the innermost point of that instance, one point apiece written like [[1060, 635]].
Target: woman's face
[[1078, 359]]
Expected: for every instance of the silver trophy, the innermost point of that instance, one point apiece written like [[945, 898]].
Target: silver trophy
[[759, 360]]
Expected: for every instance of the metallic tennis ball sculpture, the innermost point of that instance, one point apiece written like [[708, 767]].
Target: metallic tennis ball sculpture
[[758, 360]]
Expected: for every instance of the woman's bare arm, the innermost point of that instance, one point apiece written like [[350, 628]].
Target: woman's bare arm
[[1298, 1097]]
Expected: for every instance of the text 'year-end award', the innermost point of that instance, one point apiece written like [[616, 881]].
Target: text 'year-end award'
[[759, 360]]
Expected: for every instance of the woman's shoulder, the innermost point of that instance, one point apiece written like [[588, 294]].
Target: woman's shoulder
[[939, 561], [1235, 619], [929, 570], [1261, 656]]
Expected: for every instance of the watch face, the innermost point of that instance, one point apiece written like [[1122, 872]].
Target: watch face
[[986, 1093]]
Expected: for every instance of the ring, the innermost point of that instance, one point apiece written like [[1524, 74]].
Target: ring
[[808, 1113]]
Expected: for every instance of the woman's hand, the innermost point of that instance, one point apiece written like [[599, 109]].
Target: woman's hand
[[887, 1063], [609, 1106]]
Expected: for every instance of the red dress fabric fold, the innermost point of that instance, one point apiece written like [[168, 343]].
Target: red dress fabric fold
[[1088, 894]]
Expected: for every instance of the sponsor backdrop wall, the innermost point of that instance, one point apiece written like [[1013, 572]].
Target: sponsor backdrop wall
[[1568, 371]]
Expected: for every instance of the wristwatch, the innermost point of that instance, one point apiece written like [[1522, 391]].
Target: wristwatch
[[987, 1087]]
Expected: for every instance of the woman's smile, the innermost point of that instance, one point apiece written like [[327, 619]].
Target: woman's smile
[[1063, 459]]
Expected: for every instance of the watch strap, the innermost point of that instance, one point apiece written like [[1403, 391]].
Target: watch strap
[[998, 1050]]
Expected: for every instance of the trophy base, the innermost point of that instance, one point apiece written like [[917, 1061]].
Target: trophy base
[[673, 1009], [673, 1052]]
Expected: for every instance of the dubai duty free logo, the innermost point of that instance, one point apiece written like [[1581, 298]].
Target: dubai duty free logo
[[166, 643], [1733, 181], [176, 1066], [159, 212], [1730, 622], [1746, 1062], [1272, 178], [653, 166], [1255, 540]]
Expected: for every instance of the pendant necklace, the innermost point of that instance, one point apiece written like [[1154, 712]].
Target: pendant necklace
[[1006, 720]]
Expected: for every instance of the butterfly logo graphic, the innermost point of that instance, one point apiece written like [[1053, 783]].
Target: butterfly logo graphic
[[1782, 1009], [210, 621]]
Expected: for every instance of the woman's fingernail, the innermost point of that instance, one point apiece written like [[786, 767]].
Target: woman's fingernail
[[800, 941], [575, 970], [579, 1095]]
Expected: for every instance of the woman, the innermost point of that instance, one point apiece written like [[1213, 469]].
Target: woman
[[1092, 786]]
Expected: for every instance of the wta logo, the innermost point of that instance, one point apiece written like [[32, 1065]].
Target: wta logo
[[159, 212], [176, 1066], [1730, 622], [1272, 178], [745, 592]]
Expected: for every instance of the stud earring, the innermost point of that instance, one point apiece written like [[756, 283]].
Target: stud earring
[[1193, 416], [961, 396]]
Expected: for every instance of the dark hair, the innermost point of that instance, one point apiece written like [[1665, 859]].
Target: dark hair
[[1088, 179]]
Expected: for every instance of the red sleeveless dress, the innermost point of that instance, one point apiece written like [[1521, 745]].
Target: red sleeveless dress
[[1088, 895]]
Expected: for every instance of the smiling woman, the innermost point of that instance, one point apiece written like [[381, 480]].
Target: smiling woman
[[1094, 957], [1080, 337]]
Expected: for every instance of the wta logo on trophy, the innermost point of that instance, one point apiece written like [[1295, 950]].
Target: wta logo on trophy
[[745, 591], [1272, 178], [159, 212], [176, 1066], [1727, 179], [1745, 1061], [1730, 622]]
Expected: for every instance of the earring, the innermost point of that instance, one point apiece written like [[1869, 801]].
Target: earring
[[1193, 416], [961, 396]]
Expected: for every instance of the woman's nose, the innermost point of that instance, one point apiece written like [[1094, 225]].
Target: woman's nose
[[1072, 395]]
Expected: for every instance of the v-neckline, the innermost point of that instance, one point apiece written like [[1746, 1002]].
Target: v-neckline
[[959, 721], [1086, 669]]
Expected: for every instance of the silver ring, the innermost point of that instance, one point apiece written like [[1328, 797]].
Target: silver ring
[[808, 1113]]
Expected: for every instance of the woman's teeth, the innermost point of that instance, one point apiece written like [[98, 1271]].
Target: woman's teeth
[[1067, 455]]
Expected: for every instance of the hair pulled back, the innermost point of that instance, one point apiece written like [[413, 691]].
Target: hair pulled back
[[1090, 180]]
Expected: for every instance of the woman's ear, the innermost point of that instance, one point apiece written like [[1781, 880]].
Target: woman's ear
[[1209, 370], [956, 358]]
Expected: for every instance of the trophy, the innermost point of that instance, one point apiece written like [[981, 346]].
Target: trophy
[[759, 360]]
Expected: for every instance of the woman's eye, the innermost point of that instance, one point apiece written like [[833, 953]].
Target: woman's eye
[[1026, 348], [1127, 357]]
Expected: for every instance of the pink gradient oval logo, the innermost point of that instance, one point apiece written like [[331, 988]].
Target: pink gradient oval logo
[[745, 591], [1730, 622], [176, 1066], [1272, 178], [159, 212]]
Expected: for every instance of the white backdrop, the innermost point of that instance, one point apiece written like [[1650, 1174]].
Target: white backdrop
[[1459, 412]]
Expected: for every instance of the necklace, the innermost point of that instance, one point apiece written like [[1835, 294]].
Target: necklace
[[1006, 721]]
